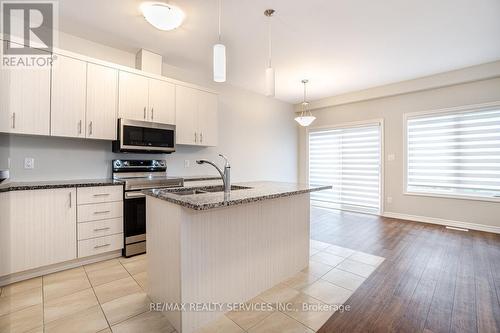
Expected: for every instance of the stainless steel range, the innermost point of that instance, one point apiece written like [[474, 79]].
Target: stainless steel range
[[139, 175]]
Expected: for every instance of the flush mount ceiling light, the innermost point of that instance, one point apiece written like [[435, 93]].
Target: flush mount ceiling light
[[306, 118], [270, 76], [162, 16], [219, 66]]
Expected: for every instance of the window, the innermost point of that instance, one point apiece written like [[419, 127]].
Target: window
[[349, 160], [454, 153]]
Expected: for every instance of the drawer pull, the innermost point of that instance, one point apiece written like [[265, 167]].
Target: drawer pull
[[101, 195], [99, 246], [103, 212], [102, 229]]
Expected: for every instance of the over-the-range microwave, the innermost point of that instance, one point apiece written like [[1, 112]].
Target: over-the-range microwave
[[144, 137]]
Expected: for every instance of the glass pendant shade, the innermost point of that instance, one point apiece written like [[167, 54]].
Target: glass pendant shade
[[219, 63], [270, 78], [305, 120]]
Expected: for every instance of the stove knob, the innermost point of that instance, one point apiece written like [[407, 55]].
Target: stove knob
[[125, 163], [162, 163], [155, 163], [118, 164]]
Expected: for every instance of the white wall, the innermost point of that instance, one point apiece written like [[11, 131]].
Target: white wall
[[258, 135], [392, 109]]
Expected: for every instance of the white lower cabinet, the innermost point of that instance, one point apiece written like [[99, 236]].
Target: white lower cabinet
[[100, 220], [39, 229]]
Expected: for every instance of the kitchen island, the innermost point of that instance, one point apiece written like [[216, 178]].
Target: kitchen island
[[206, 248]]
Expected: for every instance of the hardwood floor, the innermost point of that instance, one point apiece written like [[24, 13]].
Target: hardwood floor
[[433, 279]]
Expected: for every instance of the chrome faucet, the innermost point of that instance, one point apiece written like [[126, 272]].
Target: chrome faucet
[[225, 175]]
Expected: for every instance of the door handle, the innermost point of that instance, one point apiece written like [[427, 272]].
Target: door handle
[[144, 112], [90, 128], [102, 229], [195, 137], [13, 120], [201, 137], [80, 127], [70, 200], [103, 212], [99, 246], [101, 195], [152, 113]]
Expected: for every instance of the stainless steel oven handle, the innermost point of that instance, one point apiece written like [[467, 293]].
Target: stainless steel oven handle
[[133, 195]]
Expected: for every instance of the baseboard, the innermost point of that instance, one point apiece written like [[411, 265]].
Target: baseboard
[[16, 277], [434, 220]]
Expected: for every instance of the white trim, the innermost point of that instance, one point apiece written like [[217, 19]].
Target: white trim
[[21, 276], [408, 115], [351, 124], [439, 221]]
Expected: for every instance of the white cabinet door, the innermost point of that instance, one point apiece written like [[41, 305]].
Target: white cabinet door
[[69, 84], [102, 102], [161, 102], [133, 96], [25, 101], [207, 118], [186, 113], [40, 230]]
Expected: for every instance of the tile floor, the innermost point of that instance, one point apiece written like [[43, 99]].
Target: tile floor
[[110, 296]]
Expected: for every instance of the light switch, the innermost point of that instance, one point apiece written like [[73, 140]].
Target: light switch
[[389, 200], [391, 157], [29, 163], [186, 163]]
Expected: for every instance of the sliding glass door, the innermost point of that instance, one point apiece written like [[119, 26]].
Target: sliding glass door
[[349, 159]]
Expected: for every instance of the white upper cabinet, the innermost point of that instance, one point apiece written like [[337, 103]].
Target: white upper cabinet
[[186, 114], [102, 102], [146, 99], [196, 117], [133, 96], [25, 101], [207, 118], [69, 84], [161, 102]]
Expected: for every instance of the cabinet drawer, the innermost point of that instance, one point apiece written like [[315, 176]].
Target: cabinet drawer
[[98, 194], [102, 211], [98, 245], [100, 228]]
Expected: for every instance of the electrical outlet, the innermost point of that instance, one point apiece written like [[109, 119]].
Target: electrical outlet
[[29, 163], [187, 163], [389, 200]]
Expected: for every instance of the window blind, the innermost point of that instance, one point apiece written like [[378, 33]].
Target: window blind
[[349, 160], [454, 153]]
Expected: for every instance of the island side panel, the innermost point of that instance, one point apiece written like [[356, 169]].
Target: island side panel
[[232, 254], [163, 250]]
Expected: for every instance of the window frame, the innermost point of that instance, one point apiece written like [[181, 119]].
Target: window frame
[[376, 121], [459, 109]]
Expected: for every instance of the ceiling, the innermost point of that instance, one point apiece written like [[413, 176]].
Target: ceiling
[[340, 46]]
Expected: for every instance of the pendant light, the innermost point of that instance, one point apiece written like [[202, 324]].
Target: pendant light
[[306, 118], [270, 76], [219, 54]]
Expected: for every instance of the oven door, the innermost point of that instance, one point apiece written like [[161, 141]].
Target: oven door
[[145, 136], [134, 220]]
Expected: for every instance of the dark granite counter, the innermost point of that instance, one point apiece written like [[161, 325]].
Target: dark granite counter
[[245, 193], [42, 185]]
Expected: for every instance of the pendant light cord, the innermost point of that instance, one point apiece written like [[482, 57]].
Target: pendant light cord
[[220, 15], [269, 41]]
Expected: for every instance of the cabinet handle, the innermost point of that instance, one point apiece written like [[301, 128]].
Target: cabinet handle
[[195, 137], [99, 246], [70, 200], [13, 120], [152, 113], [102, 229], [101, 195], [90, 128], [201, 137], [144, 112], [102, 212], [80, 127]]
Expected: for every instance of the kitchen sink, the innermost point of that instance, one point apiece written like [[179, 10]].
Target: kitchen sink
[[211, 189]]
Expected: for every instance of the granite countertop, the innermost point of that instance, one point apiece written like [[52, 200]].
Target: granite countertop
[[248, 192], [41, 185]]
